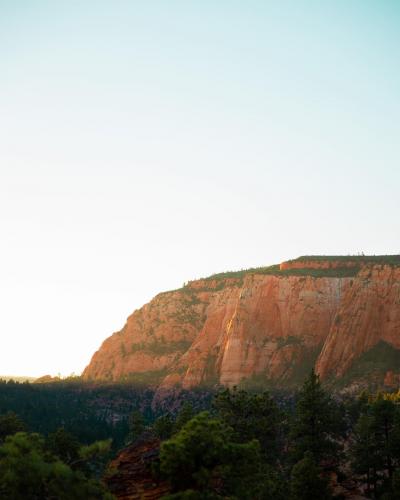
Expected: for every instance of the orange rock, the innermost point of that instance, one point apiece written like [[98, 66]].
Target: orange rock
[[369, 312], [270, 326]]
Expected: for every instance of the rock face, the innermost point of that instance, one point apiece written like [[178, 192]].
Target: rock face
[[267, 325], [369, 313], [130, 476]]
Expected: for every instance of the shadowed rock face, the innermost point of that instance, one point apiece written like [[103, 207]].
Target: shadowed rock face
[[369, 312], [266, 324], [130, 476]]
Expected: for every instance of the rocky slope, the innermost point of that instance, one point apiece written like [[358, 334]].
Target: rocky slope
[[129, 474], [261, 326]]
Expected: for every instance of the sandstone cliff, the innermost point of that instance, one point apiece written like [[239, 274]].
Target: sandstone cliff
[[261, 326]]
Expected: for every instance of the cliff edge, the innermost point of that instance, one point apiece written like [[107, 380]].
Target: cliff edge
[[264, 326]]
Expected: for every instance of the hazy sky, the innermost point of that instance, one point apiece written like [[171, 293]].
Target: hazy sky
[[146, 143]]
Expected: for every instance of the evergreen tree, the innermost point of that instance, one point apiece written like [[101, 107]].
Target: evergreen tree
[[252, 416], [185, 414], [317, 423], [10, 424], [306, 481], [375, 446], [365, 451], [202, 457], [136, 425], [29, 472], [384, 417], [63, 445], [163, 427]]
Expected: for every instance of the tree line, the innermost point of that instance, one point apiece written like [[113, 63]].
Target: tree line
[[245, 445], [249, 447]]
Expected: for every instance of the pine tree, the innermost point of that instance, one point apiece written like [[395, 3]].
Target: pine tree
[[384, 417], [10, 424], [375, 448], [202, 456], [306, 481], [364, 451], [163, 427], [185, 414], [317, 423], [252, 416]]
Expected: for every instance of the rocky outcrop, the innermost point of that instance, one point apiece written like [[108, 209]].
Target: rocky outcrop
[[264, 326], [266, 329], [129, 475], [369, 312], [156, 336]]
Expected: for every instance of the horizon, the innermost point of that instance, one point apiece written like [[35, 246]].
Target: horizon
[[360, 256], [145, 145]]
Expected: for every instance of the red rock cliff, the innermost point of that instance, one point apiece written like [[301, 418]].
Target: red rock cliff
[[265, 324]]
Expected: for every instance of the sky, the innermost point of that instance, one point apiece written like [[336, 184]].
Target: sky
[[147, 143]]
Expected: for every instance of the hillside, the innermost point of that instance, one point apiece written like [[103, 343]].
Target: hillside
[[263, 326]]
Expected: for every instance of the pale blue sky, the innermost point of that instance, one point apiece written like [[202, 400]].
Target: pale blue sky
[[143, 144]]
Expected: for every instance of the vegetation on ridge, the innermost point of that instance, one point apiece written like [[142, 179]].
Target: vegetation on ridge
[[373, 259], [274, 270]]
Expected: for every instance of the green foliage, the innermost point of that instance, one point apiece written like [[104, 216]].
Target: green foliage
[[95, 450], [252, 416], [10, 424], [274, 270], [383, 413], [189, 458], [365, 452], [242, 450], [29, 472], [136, 425], [163, 427], [306, 481], [317, 422], [185, 414], [63, 445], [89, 411], [202, 454], [364, 259], [375, 446]]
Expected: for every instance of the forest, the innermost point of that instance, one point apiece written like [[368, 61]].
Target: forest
[[58, 440]]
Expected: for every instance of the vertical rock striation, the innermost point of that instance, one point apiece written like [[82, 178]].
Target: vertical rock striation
[[263, 325]]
